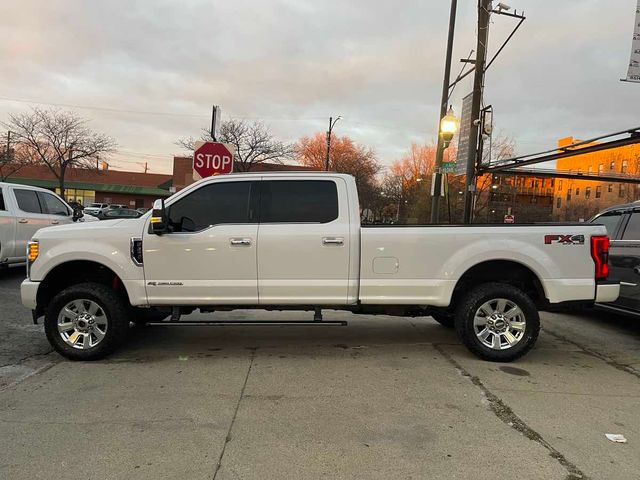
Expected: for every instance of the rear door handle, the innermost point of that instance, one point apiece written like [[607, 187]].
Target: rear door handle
[[23, 220], [240, 242], [333, 241], [55, 222]]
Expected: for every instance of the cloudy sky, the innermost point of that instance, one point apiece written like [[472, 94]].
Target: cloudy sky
[[147, 72]]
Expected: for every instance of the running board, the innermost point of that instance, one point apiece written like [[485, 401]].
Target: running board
[[226, 323]]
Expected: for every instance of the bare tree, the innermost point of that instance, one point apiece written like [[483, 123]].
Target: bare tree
[[253, 142], [12, 161], [58, 139]]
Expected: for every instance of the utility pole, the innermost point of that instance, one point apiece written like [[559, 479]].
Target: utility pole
[[7, 155], [216, 113], [444, 102], [332, 122], [478, 84]]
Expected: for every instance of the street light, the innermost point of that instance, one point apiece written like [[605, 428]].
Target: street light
[[332, 122], [448, 126]]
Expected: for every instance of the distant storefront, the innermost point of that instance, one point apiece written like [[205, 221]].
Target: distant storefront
[[133, 189]]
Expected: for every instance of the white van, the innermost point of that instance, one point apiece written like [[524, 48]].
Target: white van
[[23, 211]]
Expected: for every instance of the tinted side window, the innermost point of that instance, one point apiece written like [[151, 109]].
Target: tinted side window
[[298, 201], [632, 232], [52, 204], [214, 204], [610, 221], [2, 207], [28, 201]]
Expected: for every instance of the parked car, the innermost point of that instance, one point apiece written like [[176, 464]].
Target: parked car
[[623, 225], [23, 211], [142, 210], [294, 241], [109, 213], [95, 208]]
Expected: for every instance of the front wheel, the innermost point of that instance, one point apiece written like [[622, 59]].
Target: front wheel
[[86, 321], [497, 322]]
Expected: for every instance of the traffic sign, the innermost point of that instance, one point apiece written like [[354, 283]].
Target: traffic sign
[[448, 167], [509, 219], [211, 158]]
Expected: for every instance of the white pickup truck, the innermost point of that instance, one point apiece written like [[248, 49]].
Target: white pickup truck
[[294, 241], [23, 211]]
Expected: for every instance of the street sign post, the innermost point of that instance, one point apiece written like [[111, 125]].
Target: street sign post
[[210, 158]]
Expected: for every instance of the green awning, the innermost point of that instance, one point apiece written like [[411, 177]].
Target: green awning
[[98, 187]]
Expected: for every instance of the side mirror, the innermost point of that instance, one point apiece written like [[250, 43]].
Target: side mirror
[[77, 214], [158, 224]]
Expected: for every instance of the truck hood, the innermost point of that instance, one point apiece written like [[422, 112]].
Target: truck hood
[[93, 230]]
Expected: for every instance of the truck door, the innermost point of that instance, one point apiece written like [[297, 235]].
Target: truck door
[[30, 218], [303, 238], [7, 229], [210, 256], [58, 212], [624, 261]]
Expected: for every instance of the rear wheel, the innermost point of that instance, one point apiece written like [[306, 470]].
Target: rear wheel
[[86, 321], [498, 322]]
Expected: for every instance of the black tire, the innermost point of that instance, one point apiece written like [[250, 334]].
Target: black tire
[[448, 321], [115, 309], [474, 299], [141, 316]]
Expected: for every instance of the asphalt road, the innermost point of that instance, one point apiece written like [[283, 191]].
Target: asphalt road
[[382, 398]]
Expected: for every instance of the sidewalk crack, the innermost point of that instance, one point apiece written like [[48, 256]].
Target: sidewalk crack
[[509, 417], [235, 413], [605, 358]]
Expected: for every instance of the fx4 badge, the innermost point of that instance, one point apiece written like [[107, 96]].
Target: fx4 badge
[[164, 284], [564, 239]]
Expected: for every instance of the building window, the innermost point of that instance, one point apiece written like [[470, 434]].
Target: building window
[[590, 170], [577, 191], [625, 163], [598, 192], [612, 165], [621, 190], [600, 168], [559, 185], [533, 183], [558, 202], [610, 188], [83, 197], [587, 192], [568, 195]]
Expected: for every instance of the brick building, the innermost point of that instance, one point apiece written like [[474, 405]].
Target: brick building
[[576, 200], [133, 189]]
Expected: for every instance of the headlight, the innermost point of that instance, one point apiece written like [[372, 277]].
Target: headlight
[[33, 250]]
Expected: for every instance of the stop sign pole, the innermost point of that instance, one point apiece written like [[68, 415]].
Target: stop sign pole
[[212, 158]]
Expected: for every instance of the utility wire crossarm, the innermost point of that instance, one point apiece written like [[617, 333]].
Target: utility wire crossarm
[[578, 148]]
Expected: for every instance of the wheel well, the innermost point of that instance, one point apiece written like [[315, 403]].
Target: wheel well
[[504, 271], [73, 273]]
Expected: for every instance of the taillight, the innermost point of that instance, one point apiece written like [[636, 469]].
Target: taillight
[[600, 255]]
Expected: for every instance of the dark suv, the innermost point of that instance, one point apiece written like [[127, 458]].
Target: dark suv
[[623, 226]]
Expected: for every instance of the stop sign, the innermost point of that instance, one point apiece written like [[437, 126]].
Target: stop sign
[[509, 219], [210, 158]]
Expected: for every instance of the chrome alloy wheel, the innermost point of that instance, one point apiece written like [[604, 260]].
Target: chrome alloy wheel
[[499, 324], [82, 324]]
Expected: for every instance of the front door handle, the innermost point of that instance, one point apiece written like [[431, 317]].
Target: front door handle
[[333, 241], [23, 220], [55, 222], [240, 242]]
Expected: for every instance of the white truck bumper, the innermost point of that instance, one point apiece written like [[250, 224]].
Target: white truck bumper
[[607, 292], [29, 292]]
